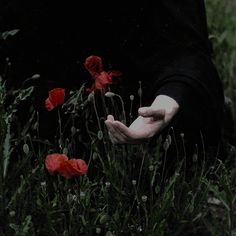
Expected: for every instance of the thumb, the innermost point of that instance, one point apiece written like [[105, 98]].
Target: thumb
[[151, 112], [110, 117]]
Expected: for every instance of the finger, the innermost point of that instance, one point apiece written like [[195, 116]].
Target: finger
[[113, 139], [150, 112], [110, 117], [124, 130], [115, 133], [109, 126], [132, 136], [135, 134], [111, 135]]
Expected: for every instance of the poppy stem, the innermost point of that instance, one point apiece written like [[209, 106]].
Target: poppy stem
[[123, 108], [60, 131], [97, 116]]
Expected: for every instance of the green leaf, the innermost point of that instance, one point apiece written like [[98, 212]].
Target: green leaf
[[4, 35], [109, 233], [104, 218]]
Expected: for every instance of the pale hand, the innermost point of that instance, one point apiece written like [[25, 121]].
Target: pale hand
[[151, 120]]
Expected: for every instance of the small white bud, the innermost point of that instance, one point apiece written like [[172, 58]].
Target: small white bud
[[140, 229], [12, 213], [100, 135], [144, 198], [151, 168], [26, 148], [109, 94], [98, 230], [35, 76]]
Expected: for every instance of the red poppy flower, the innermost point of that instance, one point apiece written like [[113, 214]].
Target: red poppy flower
[[73, 167], [67, 168], [54, 161], [95, 67], [102, 80], [55, 97]]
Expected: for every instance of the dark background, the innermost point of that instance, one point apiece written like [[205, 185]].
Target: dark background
[[53, 40]]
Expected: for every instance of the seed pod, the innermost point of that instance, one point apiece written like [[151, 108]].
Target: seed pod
[[26, 148], [109, 94], [131, 97], [98, 230], [100, 135], [144, 198]]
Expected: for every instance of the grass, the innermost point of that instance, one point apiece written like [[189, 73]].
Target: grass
[[222, 28], [107, 200]]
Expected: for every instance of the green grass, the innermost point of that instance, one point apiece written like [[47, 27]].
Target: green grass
[[125, 192], [222, 28]]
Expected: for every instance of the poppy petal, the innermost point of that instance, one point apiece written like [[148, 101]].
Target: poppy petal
[[93, 64], [53, 162], [79, 166], [102, 80], [48, 105], [57, 96]]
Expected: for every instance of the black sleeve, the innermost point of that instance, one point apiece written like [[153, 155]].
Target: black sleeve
[[180, 92], [190, 114], [194, 114]]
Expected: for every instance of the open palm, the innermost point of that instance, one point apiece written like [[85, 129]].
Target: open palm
[[151, 120]]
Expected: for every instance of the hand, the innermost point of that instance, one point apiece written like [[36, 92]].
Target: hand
[[151, 120]]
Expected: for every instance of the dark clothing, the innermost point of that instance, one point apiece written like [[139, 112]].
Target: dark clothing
[[162, 43]]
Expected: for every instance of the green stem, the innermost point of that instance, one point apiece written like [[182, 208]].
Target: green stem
[[96, 113], [60, 130], [122, 107]]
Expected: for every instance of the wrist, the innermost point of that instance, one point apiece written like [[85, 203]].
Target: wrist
[[165, 102]]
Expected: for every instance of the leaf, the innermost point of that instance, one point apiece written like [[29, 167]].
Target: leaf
[[4, 35], [26, 225], [13, 32], [6, 149], [104, 218], [14, 227], [109, 233]]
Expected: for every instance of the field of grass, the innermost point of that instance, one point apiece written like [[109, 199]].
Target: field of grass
[[222, 28], [106, 200]]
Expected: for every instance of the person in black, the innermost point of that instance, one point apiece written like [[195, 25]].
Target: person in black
[[162, 43], [170, 46], [175, 54]]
